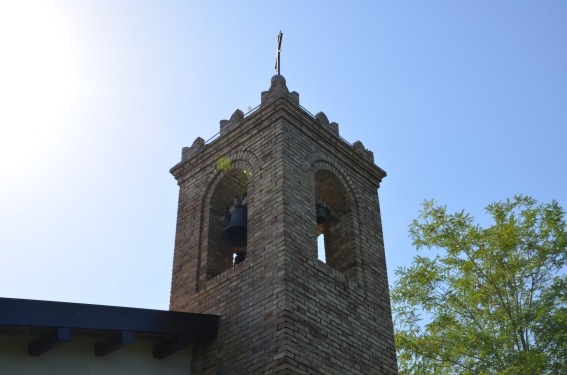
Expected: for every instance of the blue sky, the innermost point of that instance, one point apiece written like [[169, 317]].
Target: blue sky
[[464, 102]]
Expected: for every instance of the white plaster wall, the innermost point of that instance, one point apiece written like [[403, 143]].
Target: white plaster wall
[[77, 357]]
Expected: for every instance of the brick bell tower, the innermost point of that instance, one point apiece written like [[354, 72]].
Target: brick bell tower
[[252, 204]]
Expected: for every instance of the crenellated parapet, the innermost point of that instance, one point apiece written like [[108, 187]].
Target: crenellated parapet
[[197, 146], [333, 127], [359, 147], [235, 120], [278, 90]]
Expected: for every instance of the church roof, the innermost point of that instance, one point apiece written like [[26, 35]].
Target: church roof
[[56, 322]]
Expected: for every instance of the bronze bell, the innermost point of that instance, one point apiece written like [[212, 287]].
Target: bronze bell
[[321, 214], [235, 232]]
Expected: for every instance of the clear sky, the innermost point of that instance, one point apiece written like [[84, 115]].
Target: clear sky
[[461, 101]]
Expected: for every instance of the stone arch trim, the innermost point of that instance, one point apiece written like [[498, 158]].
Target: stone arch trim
[[322, 161], [242, 159]]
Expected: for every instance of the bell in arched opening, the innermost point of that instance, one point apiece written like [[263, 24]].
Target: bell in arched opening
[[321, 210], [321, 214], [236, 231]]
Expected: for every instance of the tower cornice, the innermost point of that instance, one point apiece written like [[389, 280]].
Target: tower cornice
[[277, 104]]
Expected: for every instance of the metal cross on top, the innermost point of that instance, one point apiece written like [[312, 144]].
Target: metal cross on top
[[280, 37]]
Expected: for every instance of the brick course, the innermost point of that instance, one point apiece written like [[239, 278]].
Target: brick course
[[282, 310]]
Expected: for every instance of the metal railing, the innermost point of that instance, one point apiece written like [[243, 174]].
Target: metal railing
[[250, 112], [212, 138], [315, 118], [245, 115], [306, 111]]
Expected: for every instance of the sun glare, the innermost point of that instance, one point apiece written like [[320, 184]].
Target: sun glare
[[37, 83]]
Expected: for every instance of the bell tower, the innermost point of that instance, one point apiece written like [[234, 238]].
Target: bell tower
[[252, 203]]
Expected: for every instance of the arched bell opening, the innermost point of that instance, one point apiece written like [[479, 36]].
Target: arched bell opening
[[334, 222], [228, 227]]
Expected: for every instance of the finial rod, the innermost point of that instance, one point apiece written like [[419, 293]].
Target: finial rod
[[278, 63]]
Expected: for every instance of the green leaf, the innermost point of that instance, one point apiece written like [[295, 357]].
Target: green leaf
[[487, 300]]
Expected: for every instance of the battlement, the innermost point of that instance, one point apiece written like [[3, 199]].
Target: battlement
[[278, 90]]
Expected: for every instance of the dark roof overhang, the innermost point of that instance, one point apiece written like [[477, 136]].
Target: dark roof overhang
[[56, 322]]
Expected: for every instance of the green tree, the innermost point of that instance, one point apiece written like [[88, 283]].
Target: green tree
[[491, 300]]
